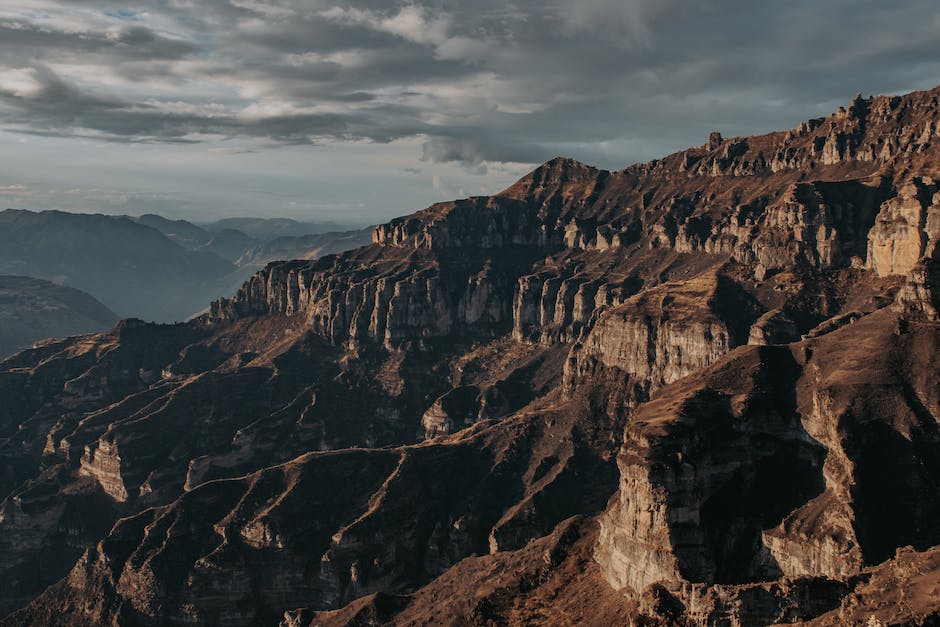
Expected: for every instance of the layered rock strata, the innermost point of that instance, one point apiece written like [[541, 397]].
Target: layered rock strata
[[699, 390]]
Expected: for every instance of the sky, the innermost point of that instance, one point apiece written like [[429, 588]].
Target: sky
[[361, 111]]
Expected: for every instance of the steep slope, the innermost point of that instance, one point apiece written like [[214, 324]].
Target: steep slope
[[33, 310], [700, 390], [813, 460]]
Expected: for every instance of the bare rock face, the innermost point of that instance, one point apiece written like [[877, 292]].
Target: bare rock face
[[696, 391], [899, 591], [695, 513], [453, 411], [810, 487], [388, 301], [906, 229], [665, 333]]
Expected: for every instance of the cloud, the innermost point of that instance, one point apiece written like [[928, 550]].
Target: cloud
[[411, 22], [605, 81], [14, 190], [627, 22], [447, 189], [415, 24], [232, 150]]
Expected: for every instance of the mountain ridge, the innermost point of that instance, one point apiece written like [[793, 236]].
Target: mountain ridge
[[127, 265], [539, 406], [148, 267], [32, 310]]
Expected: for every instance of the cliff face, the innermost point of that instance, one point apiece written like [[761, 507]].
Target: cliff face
[[665, 333], [906, 229], [769, 466], [699, 390], [843, 190]]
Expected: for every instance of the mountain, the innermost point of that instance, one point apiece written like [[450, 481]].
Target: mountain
[[696, 391], [184, 233], [251, 254], [32, 310], [148, 267], [304, 247], [265, 229], [132, 268], [229, 244]]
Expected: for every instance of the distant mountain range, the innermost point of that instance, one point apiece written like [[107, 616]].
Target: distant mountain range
[[228, 244], [232, 237], [304, 247], [32, 309], [152, 267], [270, 228]]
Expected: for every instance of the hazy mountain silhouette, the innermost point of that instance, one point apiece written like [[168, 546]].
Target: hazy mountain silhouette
[[270, 228], [134, 269], [304, 247], [151, 267], [33, 309], [228, 243]]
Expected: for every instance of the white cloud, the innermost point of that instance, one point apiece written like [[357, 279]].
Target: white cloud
[[270, 9], [415, 23], [13, 190], [412, 23], [418, 25], [447, 189], [20, 82], [268, 108]]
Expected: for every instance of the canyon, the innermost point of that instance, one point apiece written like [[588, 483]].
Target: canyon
[[696, 391]]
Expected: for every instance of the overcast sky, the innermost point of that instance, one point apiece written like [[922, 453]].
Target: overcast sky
[[363, 111]]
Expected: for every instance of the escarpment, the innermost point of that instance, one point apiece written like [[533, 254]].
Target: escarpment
[[730, 486], [700, 390], [693, 511], [666, 333], [906, 229], [827, 195]]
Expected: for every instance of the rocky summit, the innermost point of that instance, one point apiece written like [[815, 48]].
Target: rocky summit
[[697, 391]]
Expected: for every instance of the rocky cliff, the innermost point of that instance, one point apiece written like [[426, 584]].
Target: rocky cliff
[[699, 390]]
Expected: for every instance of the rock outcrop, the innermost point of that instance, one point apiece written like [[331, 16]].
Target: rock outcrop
[[906, 229], [778, 468], [665, 333]]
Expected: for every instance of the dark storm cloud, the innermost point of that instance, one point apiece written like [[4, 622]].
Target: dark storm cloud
[[607, 81]]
